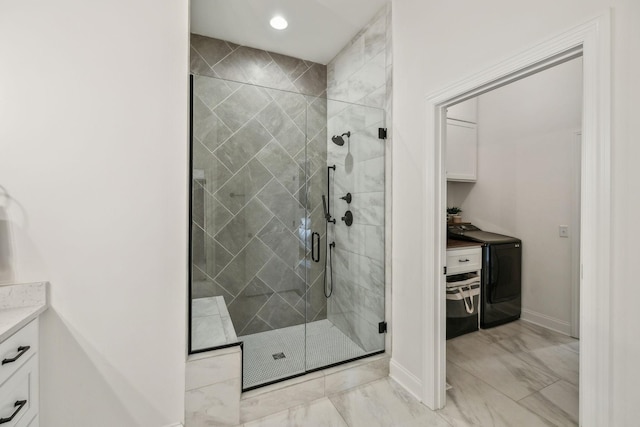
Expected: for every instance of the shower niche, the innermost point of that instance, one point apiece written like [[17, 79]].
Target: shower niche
[[274, 268]]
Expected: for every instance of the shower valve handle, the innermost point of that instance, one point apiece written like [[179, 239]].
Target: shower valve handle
[[347, 198], [348, 218]]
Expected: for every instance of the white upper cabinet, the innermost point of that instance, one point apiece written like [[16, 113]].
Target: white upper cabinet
[[462, 151], [462, 141], [466, 111]]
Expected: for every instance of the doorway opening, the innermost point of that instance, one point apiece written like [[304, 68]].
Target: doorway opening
[[591, 41], [513, 184]]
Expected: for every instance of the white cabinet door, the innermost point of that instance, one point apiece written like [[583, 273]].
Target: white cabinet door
[[462, 151]]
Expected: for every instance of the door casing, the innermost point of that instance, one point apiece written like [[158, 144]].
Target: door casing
[[592, 41]]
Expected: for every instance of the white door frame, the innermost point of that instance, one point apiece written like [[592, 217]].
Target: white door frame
[[576, 177], [591, 40]]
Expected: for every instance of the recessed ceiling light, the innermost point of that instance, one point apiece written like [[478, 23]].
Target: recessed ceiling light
[[278, 22]]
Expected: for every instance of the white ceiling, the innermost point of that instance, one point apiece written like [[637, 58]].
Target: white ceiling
[[318, 29]]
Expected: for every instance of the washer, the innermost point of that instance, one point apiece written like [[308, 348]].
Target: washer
[[501, 284]]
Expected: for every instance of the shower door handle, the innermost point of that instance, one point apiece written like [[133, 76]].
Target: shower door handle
[[315, 246]]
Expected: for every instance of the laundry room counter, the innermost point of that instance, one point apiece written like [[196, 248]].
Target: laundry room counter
[[454, 244]]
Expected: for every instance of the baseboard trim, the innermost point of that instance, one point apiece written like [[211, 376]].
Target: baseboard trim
[[546, 321], [406, 379]]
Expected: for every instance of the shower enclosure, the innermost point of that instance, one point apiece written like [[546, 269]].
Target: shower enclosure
[[287, 232]]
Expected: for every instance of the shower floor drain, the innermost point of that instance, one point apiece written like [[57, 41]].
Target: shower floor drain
[[278, 356]]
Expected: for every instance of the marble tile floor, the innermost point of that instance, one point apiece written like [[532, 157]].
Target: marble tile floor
[[473, 400], [325, 344], [518, 374]]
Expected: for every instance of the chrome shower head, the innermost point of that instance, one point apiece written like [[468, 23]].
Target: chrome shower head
[[339, 140]]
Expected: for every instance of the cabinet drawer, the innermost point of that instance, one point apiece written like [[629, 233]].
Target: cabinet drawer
[[14, 348], [19, 396], [464, 260]]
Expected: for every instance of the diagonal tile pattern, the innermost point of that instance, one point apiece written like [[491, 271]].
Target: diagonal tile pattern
[[210, 50], [244, 266], [208, 168], [283, 242], [242, 64], [228, 61], [283, 128], [243, 145], [207, 126], [282, 166], [241, 106], [286, 208], [241, 188], [249, 302], [282, 279], [292, 67], [276, 312], [249, 156], [244, 226]]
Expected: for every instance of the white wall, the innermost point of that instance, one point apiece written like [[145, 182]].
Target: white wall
[[528, 182], [437, 43], [93, 151]]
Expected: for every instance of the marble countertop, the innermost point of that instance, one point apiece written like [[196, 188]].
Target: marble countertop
[[19, 305]]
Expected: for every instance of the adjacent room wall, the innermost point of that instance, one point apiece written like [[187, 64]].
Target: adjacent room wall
[[438, 43], [361, 75], [260, 132], [528, 182], [93, 154]]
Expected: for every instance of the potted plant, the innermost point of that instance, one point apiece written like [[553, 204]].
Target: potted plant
[[453, 214]]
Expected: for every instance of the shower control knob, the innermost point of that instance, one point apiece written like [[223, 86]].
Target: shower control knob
[[347, 198], [348, 218]]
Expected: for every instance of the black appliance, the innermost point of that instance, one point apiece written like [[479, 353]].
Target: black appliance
[[501, 281]]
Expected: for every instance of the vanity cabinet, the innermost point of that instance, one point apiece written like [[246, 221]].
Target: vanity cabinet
[[19, 391]]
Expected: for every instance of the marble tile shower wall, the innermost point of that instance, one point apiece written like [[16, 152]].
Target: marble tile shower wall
[[254, 169], [360, 74]]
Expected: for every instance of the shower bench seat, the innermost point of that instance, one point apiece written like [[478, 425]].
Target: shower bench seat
[[212, 326]]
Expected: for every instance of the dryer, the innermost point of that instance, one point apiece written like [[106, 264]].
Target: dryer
[[501, 284]]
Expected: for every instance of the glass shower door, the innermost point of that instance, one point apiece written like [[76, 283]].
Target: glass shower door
[[345, 288], [274, 348], [287, 228], [249, 240]]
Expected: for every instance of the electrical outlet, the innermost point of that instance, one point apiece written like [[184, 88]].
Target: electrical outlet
[[564, 231]]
